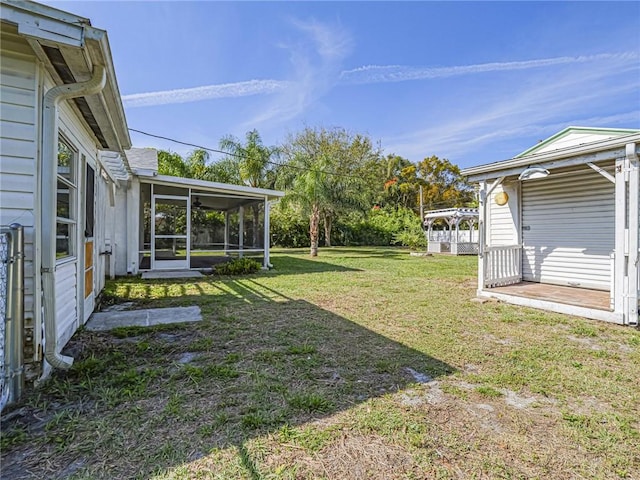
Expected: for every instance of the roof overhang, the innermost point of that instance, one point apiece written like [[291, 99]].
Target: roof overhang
[[594, 152], [69, 47], [212, 187]]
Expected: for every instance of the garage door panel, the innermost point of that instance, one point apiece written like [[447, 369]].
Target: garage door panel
[[568, 230]]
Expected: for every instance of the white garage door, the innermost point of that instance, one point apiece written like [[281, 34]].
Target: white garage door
[[568, 229]]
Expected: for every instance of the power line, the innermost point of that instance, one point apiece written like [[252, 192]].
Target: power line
[[215, 150], [185, 143]]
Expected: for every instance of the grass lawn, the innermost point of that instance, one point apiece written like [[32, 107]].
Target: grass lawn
[[361, 364]]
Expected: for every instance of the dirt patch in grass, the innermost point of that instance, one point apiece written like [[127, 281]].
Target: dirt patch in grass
[[356, 457]]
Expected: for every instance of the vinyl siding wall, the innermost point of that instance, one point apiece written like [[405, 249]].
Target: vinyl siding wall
[[503, 219], [70, 274], [18, 158]]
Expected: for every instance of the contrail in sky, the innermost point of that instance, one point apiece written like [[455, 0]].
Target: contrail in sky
[[400, 73], [361, 75], [207, 92]]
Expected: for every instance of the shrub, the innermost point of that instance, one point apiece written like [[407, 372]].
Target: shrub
[[238, 266], [289, 228]]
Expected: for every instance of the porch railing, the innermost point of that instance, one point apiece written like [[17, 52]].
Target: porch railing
[[502, 265]]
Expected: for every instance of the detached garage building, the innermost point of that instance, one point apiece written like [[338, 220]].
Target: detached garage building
[[559, 225]]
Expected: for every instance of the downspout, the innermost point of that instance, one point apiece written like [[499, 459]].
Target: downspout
[[49, 196]]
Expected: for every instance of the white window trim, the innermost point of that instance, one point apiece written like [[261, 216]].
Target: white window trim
[[72, 221]]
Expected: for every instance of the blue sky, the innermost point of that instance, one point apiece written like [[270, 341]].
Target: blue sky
[[473, 82]]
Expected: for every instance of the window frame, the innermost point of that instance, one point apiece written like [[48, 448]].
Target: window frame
[[71, 185]]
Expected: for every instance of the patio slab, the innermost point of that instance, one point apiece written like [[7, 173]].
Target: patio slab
[[103, 321], [171, 274], [581, 297]]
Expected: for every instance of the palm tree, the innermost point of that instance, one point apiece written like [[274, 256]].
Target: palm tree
[[324, 175], [255, 161], [309, 188]]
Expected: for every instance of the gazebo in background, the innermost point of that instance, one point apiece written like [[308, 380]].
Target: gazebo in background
[[452, 239]]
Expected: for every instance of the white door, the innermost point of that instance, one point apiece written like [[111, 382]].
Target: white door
[[170, 232], [568, 229]]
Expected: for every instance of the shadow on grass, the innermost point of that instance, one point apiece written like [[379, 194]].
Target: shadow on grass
[[145, 402], [356, 251], [294, 264]]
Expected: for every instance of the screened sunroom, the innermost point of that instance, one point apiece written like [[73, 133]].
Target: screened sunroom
[[174, 223], [194, 224]]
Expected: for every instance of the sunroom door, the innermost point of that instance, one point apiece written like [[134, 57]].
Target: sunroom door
[[170, 232]]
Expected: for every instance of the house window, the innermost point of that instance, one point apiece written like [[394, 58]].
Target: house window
[[66, 200], [89, 203]]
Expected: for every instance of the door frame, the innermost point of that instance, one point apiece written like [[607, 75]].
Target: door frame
[[170, 264]]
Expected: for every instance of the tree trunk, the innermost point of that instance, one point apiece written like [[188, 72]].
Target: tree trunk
[[327, 230], [314, 230]]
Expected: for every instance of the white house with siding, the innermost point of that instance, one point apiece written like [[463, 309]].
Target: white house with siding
[[66, 178], [559, 225], [60, 108]]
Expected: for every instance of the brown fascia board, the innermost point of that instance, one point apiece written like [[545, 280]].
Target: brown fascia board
[[591, 152]]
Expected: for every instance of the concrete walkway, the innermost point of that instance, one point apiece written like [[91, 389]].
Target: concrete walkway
[[102, 321], [171, 274]]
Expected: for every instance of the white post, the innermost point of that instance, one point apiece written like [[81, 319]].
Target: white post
[[620, 249], [421, 206], [132, 224], [267, 236], [226, 233], [482, 215], [240, 231], [633, 273]]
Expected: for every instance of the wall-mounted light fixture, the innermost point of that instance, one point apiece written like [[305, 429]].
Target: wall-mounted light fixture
[[533, 172]]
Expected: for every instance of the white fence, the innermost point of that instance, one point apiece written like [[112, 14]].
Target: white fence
[[502, 265]]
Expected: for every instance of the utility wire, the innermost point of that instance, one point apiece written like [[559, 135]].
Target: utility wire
[[185, 143], [295, 167], [287, 165]]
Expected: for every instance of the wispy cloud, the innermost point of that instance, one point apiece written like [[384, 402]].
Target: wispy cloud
[[316, 59], [207, 92], [403, 73], [536, 108], [316, 62]]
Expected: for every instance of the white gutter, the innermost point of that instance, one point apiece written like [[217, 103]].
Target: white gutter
[[48, 187]]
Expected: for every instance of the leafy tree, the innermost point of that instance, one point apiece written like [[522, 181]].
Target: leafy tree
[[196, 165], [170, 163], [443, 185], [226, 170]]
